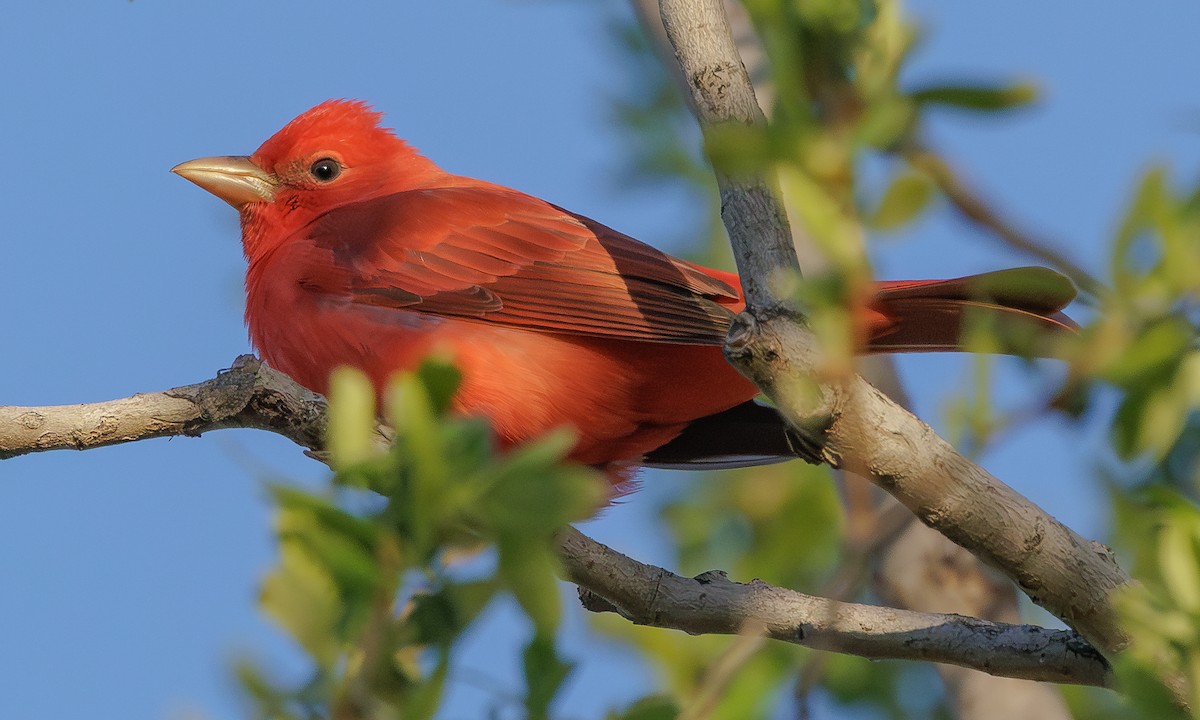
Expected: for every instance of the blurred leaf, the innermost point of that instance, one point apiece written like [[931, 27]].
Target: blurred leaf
[[835, 16], [303, 599], [441, 380], [1179, 563], [351, 417], [1162, 613], [1154, 352], [884, 47], [887, 123], [532, 492], [439, 618], [545, 672], [343, 544], [905, 198], [855, 679], [1138, 420], [348, 557], [655, 707], [423, 702], [977, 97], [742, 149], [1149, 204], [413, 413], [420, 445], [271, 701], [530, 569], [1145, 697]]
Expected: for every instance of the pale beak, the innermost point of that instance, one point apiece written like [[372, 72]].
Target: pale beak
[[234, 179]]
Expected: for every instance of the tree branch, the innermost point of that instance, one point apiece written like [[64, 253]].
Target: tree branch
[[851, 425], [248, 395], [712, 603], [915, 567], [252, 395]]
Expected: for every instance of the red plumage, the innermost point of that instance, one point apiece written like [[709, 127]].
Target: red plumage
[[364, 253]]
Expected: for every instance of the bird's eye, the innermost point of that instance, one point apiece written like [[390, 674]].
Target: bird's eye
[[325, 169]]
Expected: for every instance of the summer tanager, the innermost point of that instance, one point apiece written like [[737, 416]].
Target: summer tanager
[[362, 252]]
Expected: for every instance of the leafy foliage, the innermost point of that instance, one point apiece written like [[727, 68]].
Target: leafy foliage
[[1162, 613], [366, 583], [1143, 342]]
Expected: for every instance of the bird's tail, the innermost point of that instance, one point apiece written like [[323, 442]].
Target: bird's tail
[[1019, 307], [1022, 306]]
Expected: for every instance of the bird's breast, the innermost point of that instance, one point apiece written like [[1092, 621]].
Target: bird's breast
[[623, 397]]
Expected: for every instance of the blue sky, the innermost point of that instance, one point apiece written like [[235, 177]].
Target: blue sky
[[130, 573]]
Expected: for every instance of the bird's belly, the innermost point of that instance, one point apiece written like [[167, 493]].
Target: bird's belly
[[309, 338], [623, 398]]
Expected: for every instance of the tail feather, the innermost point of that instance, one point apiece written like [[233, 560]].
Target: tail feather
[[1036, 289], [1023, 304], [907, 316]]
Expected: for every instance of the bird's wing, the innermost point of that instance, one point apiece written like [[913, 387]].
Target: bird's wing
[[500, 256]]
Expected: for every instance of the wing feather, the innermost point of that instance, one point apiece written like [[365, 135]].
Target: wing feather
[[496, 255]]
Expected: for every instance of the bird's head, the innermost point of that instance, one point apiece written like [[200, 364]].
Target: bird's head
[[332, 155]]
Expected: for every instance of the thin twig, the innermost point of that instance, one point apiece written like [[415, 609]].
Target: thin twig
[[975, 208]]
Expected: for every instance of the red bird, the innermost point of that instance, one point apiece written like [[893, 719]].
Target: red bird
[[362, 252]]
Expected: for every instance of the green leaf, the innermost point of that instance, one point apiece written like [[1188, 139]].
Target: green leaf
[[422, 456], [303, 599], [532, 493], [1148, 697], [439, 618], [351, 417], [530, 570], [1149, 203], [1163, 645], [1153, 354], [888, 122], [740, 149], [1179, 563], [980, 98], [654, 707], [412, 413], [545, 672], [361, 531], [423, 700], [905, 198], [1150, 420], [271, 700], [339, 546], [441, 379]]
